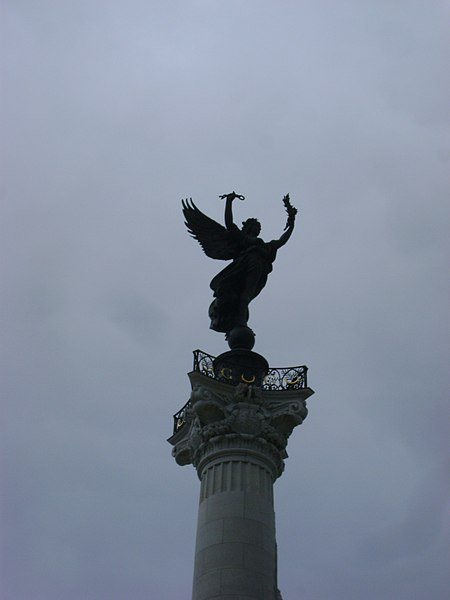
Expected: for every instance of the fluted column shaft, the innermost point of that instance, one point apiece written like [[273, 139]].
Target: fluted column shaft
[[235, 555]]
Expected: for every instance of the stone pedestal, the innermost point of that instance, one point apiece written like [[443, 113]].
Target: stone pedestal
[[236, 437]]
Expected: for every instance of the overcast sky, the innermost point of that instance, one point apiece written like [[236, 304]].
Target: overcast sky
[[114, 111]]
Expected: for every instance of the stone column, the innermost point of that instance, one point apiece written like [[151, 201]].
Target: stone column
[[236, 436]]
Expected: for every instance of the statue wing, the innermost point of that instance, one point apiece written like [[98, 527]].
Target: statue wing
[[216, 240]]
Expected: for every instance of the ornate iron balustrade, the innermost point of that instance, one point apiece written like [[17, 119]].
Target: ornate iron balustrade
[[203, 363], [179, 418], [277, 378]]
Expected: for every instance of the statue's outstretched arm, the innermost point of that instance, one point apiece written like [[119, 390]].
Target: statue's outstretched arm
[[291, 211], [229, 210]]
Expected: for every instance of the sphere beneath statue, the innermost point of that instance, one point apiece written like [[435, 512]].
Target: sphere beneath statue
[[241, 337]]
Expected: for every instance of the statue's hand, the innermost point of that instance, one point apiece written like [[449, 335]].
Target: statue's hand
[[291, 211], [232, 196]]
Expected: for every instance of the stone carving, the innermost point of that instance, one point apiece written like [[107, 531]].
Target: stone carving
[[240, 415], [248, 393], [247, 418]]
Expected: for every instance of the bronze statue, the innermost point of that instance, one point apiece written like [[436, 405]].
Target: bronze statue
[[242, 280]]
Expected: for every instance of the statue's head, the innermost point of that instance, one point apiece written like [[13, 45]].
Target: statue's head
[[251, 227]]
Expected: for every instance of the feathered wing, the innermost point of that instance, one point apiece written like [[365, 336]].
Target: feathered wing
[[216, 241]]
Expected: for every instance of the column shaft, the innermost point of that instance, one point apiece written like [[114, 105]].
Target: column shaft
[[235, 556]]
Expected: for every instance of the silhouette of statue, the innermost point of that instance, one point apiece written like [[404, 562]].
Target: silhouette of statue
[[242, 280]]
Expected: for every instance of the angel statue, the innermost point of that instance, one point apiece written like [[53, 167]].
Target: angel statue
[[243, 279]]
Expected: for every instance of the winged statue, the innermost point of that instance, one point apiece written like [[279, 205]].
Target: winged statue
[[252, 259]]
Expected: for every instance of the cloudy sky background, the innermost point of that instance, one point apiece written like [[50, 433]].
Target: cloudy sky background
[[111, 113]]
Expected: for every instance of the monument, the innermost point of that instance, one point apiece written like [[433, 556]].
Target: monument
[[235, 426]]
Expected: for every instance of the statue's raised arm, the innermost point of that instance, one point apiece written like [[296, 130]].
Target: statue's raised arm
[[289, 228], [229, 223]]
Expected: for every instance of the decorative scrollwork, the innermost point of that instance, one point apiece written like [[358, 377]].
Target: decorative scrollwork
[[203, 363], [179, 418], [278, 378], [286, 378]]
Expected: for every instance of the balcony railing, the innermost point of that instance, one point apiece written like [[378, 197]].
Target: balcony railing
[[277, 378], [179, 418]]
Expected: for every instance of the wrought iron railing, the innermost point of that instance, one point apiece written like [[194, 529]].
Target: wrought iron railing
[[277, 378], [204, 363], [179, 418]]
